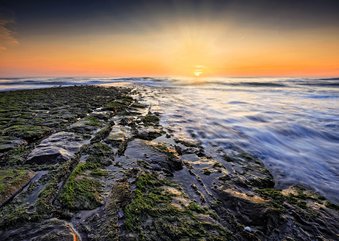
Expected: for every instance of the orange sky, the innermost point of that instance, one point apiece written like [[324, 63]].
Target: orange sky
[[176, 48]]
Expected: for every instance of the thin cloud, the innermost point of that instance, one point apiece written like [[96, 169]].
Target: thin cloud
[[7, 36]]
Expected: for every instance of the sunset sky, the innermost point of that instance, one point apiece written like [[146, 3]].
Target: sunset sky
[[169, 38]]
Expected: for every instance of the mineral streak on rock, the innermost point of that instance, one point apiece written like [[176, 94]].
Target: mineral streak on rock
[[95, 164]]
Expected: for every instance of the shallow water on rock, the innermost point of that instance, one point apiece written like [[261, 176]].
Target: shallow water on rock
[[293, 127]]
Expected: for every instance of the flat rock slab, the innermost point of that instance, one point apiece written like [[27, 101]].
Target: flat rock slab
[[148, 133], [7, 143], [143, 150], [52, 229], [59, 147], [83, 126], [139, 149], [119, 134], [12, 181], [102, 115]]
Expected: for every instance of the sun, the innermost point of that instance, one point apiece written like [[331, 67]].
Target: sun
[[198, 70], [197, 73]]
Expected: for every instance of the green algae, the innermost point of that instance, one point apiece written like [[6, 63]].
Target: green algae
[[107, 226], [119, 105], [150, 202], [99, 153], [278, 199], [31, 115], [147, 196], [50, 192], [14, 215], [9, 143], [115, 106], [150, 119], [49, 108], [16, 156], [170, 153], [92, 121], [81, 191], [102, 133], [99, 172], [11, 180], [27, 132], [100, 149]]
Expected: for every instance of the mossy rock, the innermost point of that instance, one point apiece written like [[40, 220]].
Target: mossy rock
[[102, 134], [12, 181], [50, 192], [82, 191], [278, 199], [99, 153], [150, 119], [14, 215], [100, 149], [92, 121], [154, 206], [118, 105], [8, 143], [17, 155], [27, 132]]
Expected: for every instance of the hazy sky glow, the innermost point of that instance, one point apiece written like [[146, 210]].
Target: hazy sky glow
[[169, 38]]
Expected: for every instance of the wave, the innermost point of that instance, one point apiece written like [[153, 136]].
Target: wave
[[335, 78], [258, 84], [328, 84], [322, 82], [223, 83], [59, 81], [321, 96], [34, 82]]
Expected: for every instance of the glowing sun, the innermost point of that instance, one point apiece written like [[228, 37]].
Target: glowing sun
[[198, 70]]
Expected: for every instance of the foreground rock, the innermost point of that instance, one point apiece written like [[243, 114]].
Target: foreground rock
[[101, 167]]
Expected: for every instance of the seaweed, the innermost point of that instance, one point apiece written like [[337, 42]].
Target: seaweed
[[152, 203], [80, 191]]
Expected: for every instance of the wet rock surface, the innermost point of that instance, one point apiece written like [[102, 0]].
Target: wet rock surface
[[52, 229], [119, 134], [12, 181], [58, 147], [8, 143], [95, 164]]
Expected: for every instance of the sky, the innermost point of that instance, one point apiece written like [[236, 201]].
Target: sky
[[169, 38]]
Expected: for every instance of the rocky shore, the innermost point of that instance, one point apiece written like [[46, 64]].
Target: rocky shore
[[93, 163]]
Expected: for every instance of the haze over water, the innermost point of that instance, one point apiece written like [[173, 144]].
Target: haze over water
[[291, 124]]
